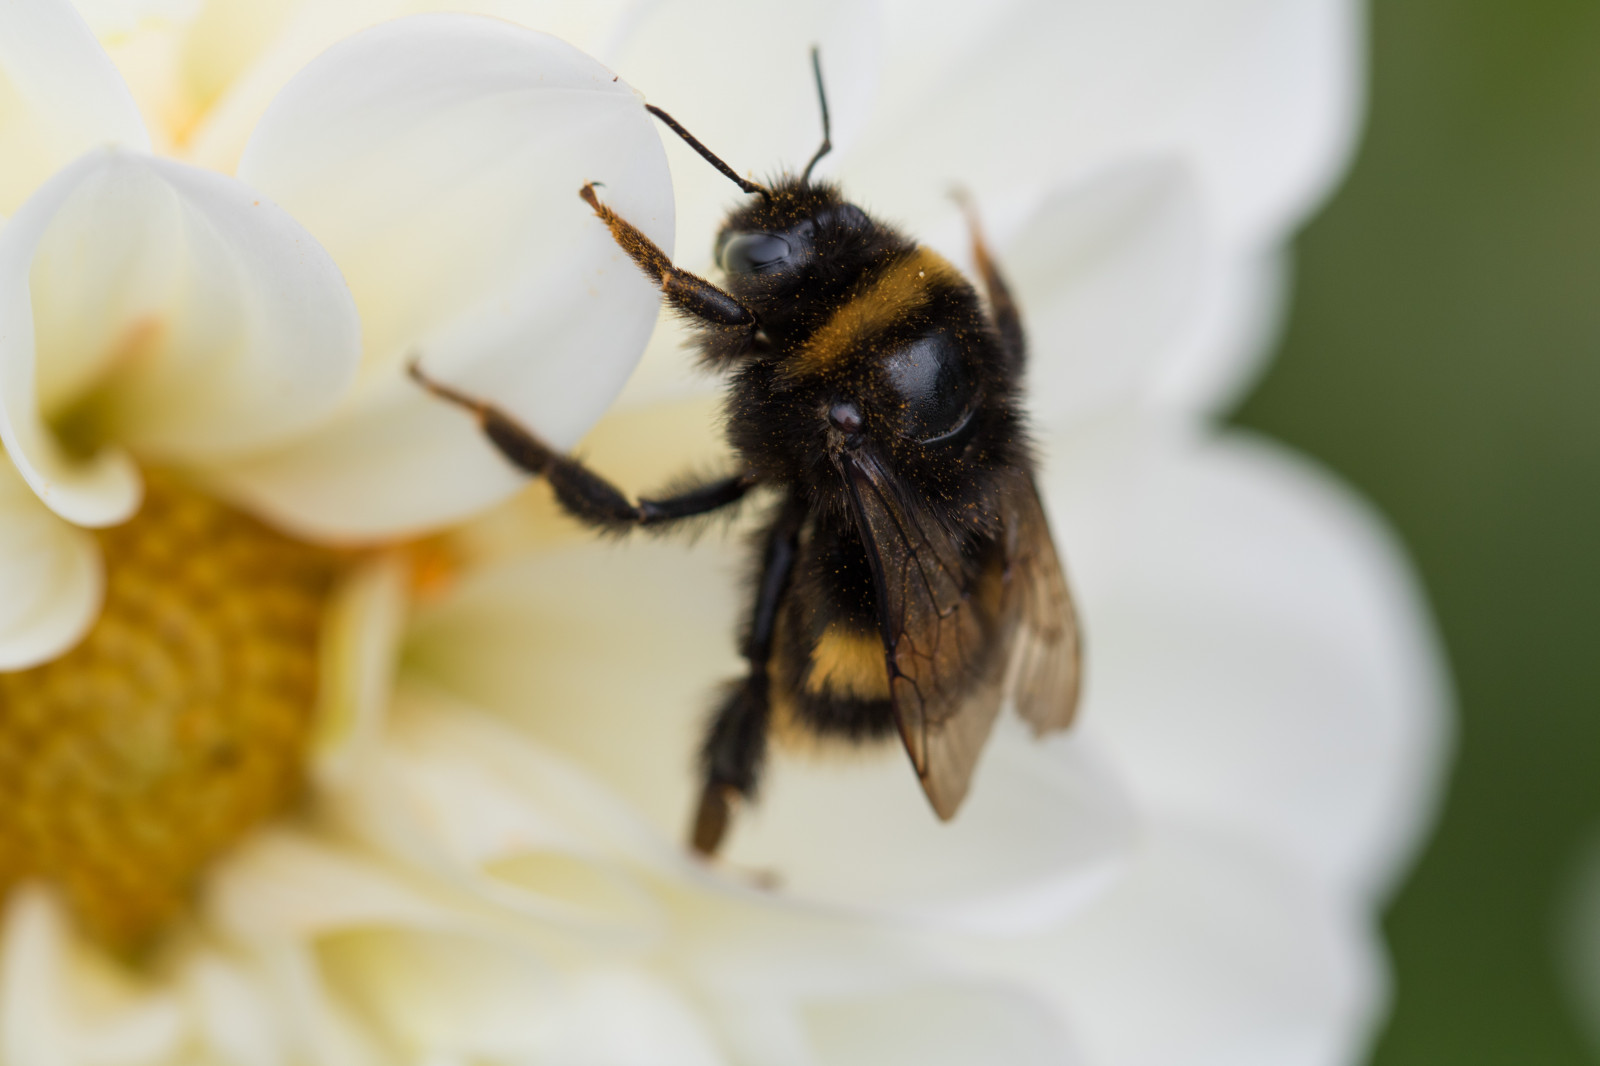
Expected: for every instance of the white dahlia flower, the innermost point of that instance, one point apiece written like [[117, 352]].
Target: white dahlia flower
[[304, 758]]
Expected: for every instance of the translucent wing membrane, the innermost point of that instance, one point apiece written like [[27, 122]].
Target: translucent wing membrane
[[1046, 660], [958, 631], [943, 632]]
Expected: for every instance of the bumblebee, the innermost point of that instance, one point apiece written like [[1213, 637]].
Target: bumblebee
[[907, 582]]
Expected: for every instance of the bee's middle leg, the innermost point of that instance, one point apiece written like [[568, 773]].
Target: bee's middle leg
[[736, 744]]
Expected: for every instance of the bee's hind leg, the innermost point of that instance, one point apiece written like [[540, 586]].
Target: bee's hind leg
[[736, 743], [1007, 320]]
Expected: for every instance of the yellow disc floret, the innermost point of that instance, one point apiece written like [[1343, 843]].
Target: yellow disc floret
[[178, 723]]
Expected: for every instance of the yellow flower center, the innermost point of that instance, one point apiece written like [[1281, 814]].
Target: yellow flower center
[[179, 722]]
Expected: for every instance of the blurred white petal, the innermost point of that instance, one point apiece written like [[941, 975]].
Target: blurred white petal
[[239, 54], [1045, 830], [619, 687], [461, 795], [51, 577], [63, 1002], [359, 648], [937, 1024], [1262, 97], [438, 159], [1107, 273], [1226, 346], [286, 887], [59, 96], [1254, 632], [171, 310], [234, 1011], [1212, 952]]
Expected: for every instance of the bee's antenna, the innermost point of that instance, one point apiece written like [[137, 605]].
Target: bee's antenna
[[706, 153], [822, 98]]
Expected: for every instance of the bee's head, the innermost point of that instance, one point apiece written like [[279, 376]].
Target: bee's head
[[785, 255]]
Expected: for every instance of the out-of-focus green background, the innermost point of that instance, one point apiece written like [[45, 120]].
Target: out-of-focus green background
[[1443, 355]]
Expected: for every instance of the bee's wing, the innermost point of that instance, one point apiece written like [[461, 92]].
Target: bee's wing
[[1047, 662], [942, 634]]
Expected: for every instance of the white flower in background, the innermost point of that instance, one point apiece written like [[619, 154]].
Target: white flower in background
[[488, 866]]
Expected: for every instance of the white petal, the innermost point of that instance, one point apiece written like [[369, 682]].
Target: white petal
[[662, 1027], [59, 96], [239, 54], [1211, 953], [441, 994], [172, 311], [937, 1024], [439, 159], [234, 1011], [358, 650], [52, 578], [64, 1002], [618, 686], [284, 886], [1226, 346], [319, 1027], [1108, 274], [119, 18], [1252, 631], [454, 792], [453, 998], [1044, 830], [1260, 96]]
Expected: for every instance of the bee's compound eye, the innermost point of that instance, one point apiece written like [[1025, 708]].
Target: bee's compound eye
[[752, 253]]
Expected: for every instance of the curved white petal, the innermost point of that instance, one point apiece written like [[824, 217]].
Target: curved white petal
[[1253, 632], [1045, 829], [462, 795], [439, 159], [233, 1011], [938, 1023], [64, 1002], [447, 998], [540, 638], [1212, 952], [551, 625], [1108, 274], [1227, 344], [285, 886], [52, 578], [104, 489], [59, 96], [358, 650], [239, 54], [162, 309], [1262, 97]]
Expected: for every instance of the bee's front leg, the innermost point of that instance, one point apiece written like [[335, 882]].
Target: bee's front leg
[[582, 493], [688, 292], [736, 743]]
